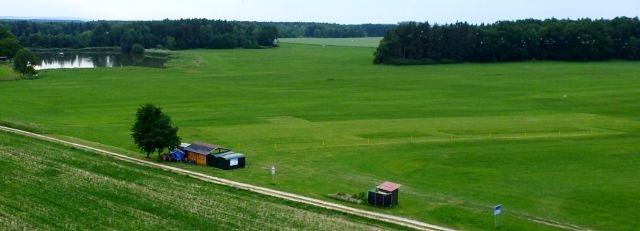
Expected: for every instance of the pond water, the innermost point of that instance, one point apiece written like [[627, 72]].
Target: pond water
[[93, 60]]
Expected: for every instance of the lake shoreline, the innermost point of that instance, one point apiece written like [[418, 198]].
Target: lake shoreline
[[92, 58]]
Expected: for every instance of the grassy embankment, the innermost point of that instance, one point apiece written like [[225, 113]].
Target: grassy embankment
[[6, 71], [552, 141]]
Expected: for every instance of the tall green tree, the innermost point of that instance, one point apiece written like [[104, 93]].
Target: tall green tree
[[9, 44], [137, 49], [267, 35], [152, 130], [24, 61], [128, 39], [100, 35]]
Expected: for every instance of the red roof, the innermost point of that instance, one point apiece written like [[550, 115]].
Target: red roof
[[389, 186]]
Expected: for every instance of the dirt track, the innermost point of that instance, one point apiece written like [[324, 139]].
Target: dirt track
[[261, 190]]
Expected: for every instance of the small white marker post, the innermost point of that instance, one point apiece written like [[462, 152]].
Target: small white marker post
[[273, 174], [496, 211]]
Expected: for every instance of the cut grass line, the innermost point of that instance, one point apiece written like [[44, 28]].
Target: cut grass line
[[557, 224], [462, 138], [260, 190]]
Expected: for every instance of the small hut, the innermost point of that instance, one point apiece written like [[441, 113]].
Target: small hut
[[385, 195], [227, 160], [198, 152]]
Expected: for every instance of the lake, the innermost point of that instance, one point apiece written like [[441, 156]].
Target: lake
[[93, 60]]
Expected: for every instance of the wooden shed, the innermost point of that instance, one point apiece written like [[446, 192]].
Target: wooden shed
[[198, 152], [385, 195]]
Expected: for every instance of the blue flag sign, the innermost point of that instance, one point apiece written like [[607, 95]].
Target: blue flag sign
[[497, 210]]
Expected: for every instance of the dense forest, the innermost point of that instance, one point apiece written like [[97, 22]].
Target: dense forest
[[328, 30], [176, 34], [170, 34], [552, 39]]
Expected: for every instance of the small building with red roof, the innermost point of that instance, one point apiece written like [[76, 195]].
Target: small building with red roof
[[384, 195]]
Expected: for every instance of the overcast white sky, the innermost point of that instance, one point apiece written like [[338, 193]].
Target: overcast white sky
[[336, 11]]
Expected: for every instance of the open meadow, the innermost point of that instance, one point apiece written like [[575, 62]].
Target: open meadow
[[345, 42], [554, 142]]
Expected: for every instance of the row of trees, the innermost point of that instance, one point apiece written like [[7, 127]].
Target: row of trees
[[328, 30], [552, 39], [171, 34]]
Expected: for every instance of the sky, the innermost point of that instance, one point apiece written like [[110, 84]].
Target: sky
[[332, 11]]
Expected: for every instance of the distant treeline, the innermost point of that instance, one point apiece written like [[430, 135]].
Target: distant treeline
[[327, 30], [552, 39], [170, 34]]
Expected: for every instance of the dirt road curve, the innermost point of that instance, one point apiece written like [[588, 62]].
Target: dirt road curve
[[261, 190]]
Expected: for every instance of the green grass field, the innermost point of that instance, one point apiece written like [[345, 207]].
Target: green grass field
[[345, 42], [553, 142], [47, 186]]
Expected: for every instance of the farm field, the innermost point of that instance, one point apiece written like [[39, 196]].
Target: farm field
[[346, 42], [48, 186], [553, 142]]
